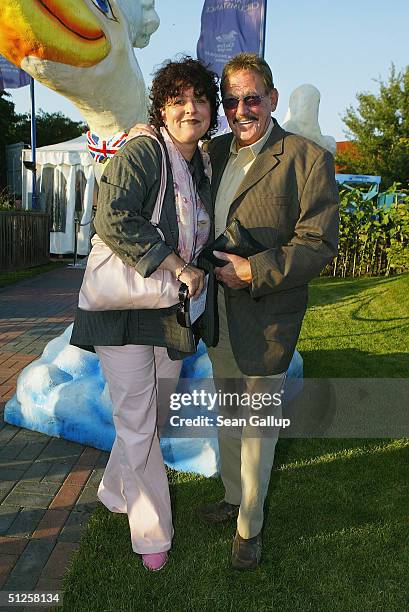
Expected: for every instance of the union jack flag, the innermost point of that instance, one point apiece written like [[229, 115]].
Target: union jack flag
[[100, 149]]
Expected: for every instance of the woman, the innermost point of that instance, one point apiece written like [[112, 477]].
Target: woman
[[136, 347]]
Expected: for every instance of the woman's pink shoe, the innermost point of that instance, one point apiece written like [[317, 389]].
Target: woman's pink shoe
[[155, 561]]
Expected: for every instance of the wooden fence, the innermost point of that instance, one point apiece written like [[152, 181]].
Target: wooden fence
[[24, 239]]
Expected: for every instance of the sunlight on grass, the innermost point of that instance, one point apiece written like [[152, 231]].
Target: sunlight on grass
[[346, 454], [357, 328]]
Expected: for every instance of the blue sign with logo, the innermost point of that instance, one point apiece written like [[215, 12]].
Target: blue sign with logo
[[228, 28], [12, 77]]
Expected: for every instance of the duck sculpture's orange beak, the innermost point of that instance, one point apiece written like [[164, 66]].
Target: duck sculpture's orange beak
[[63, 31]]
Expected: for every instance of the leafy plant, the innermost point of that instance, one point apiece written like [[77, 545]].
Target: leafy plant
[[7, 201], [374, 240]]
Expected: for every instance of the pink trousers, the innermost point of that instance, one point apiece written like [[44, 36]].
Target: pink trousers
[[135, 481]]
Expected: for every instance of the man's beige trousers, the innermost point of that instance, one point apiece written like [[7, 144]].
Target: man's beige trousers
[[245, 461], [134, 480]]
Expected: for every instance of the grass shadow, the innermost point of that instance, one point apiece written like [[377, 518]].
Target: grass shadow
[[328, 290]]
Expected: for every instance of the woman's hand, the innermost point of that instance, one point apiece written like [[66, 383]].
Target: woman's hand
[[193, 277]]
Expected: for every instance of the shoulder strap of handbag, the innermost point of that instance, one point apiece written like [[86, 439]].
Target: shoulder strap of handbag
[[157, 210]]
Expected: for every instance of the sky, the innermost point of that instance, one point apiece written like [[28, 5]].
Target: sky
[[340, 47]]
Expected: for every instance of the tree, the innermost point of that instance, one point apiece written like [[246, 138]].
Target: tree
[[50, 128], [7, 120], [379, 130]]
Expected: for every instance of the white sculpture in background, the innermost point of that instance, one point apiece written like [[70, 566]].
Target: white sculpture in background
[[302, 116], [98, 72]]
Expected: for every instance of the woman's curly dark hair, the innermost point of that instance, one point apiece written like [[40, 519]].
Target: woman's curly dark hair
[[172, 78]]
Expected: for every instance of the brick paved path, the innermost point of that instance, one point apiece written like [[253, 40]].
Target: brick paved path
[[47, 485]]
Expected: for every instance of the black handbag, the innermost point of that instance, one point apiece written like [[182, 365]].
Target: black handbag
[[235, 240]]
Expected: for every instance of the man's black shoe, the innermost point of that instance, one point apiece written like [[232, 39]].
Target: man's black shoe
[[218, 512], [246, 554]]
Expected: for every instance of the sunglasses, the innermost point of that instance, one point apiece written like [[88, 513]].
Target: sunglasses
[[182, 313], [252, 101]]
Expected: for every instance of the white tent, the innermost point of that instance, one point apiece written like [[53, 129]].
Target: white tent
[[65, 187]]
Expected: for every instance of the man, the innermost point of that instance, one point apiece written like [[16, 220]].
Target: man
[[281, 187]]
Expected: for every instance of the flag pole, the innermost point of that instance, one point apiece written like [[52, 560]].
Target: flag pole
[[33, 147], [263, 39]]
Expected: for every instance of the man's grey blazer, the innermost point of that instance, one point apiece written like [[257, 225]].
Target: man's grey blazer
[[289, 203]]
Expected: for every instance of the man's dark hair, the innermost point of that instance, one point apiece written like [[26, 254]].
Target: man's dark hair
[[173, 77], [248, 61]]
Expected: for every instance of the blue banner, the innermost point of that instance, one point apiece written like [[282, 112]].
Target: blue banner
[[230, 27], [12, 77]]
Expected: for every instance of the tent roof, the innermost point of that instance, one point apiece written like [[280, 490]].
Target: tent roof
[[71, 153], [76, 144]]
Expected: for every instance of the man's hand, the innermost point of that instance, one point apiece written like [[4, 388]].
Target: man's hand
[[140, 129], [236, 274]]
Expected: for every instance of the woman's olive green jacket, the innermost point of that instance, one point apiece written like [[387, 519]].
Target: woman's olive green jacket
[[127, 195]]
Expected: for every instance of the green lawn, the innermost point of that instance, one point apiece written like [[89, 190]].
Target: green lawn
[[357, 328], [9, 278], [336, 532]]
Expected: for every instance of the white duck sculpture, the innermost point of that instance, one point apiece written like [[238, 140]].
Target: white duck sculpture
[[83, 49]]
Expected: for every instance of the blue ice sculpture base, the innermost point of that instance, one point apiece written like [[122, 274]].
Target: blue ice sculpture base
[[64, 394]]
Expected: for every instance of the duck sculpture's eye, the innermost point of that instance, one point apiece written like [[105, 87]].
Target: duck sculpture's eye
[[105, 7]]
